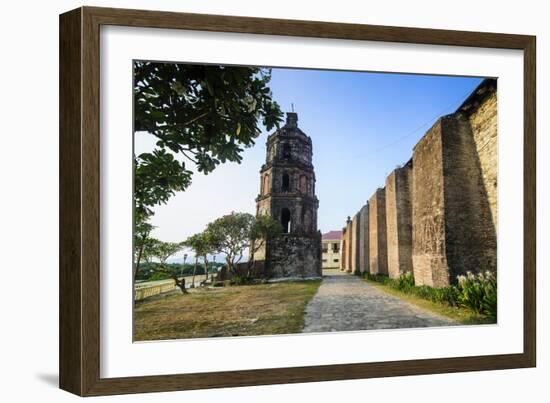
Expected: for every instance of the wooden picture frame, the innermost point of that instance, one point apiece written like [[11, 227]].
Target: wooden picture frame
[[79, 201]]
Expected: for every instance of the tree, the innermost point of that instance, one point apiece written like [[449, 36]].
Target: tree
[[201, 244], [234, 233], [203, 114], [163, 251], [142, 229], [157, 176], [150, 249], [264, 228], [230, 235]]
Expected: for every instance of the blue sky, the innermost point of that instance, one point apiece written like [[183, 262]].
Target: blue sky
[[362, 126]]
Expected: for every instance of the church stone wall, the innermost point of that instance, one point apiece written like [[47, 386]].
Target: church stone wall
[[399, 221], [378, 258], [344, 249], [349, 249], [438, 214], [483, 122], [428, 211], [355, 245], [470, 234], [364, 239]]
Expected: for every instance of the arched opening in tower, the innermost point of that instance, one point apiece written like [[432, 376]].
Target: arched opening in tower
[[286, 183], [285, 220]]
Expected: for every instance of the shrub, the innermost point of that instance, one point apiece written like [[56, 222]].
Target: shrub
[[424, 292], [479, 293], [240, 280], [448, 295], [405, 282]]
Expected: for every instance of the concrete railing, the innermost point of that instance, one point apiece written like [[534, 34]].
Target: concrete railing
[[149, 288], [144, 291]]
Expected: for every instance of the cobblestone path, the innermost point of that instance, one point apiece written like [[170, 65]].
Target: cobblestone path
[[346, 302]]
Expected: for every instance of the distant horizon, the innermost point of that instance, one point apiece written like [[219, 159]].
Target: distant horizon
[[362, 126]]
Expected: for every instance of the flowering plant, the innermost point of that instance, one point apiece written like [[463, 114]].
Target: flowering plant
[[479, 292]]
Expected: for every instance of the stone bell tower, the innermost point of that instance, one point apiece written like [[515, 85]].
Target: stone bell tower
[[287, 193]]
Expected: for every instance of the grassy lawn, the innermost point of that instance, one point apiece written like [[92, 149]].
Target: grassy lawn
[[226, 311], [461, 315]]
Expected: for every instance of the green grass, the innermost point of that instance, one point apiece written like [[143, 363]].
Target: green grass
[[458, 314], [247, 310]]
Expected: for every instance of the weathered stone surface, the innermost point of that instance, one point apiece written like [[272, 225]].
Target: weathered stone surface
[[364, 239], [346, 302], [469, 230], [483, 122], [453, 221], [399, 220], [295, 256], [287, 193], [429, 255], [481, 110], [378, 253], [355, 244], [349, 247], [345, 247]]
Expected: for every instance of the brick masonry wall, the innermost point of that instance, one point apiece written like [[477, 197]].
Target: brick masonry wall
[[453, 231], [470, 233], [343, 249], [295, 256], [355, 245], [346, 249], [398, 221], [263, 207], [364, 239], [428, 214], [349, 251], [378, 259], [483, 122]]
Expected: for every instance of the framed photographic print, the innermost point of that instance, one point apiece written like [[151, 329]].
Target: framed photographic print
[[276, 201]]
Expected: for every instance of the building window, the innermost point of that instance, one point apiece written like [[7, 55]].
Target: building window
[[285, 220], [324, 260], [336, 247], [286, 182], [336, 260], [325, 250]]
